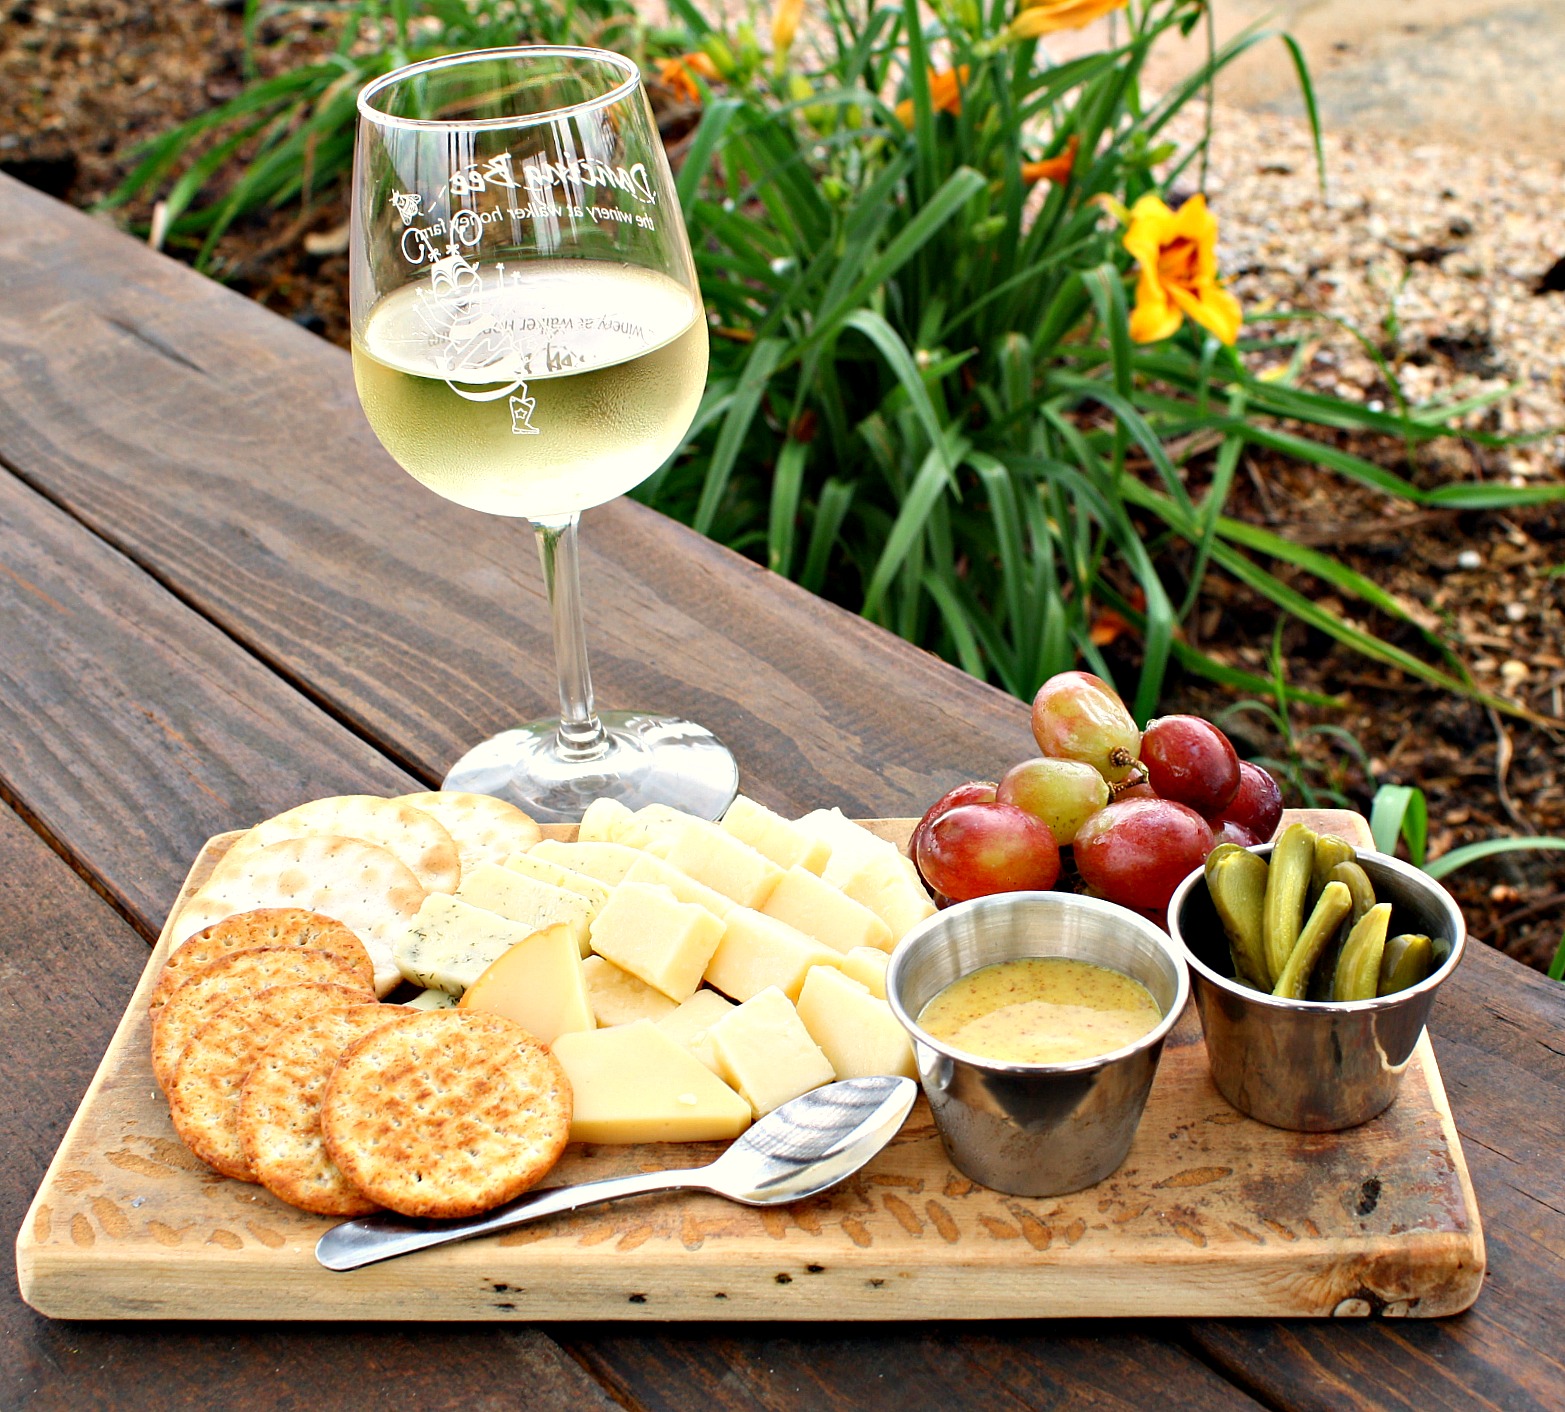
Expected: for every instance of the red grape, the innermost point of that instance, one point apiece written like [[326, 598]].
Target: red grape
[[1060, 792], [1229, 832], [1137, 851], [1191, 762], [1077, 716], [976, 849], [1257, 806], [973, 792]]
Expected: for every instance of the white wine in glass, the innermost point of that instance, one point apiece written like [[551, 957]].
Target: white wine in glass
[[529, 340]]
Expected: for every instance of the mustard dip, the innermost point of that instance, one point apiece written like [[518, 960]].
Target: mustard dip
[[1041, 1010]]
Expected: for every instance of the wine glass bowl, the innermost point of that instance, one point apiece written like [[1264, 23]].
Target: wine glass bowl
[[529, 340]]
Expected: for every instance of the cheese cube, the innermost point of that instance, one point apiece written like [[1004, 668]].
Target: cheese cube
[[867, 966], [816, 908], [619, 998], [652, 827], [431, 999], [765, 1052], [544, 871], [688, 1025], [652, 934], [657, 871], [851, 844], [539, 984], [534, 904], [770, 834], [719, 861], [657, 826], [636, 1084], [757, 951], [449, 943], [889, 885], [607, 862], [854, 1029], [603, 822]]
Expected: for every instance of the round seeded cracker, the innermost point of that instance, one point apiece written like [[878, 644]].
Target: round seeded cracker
[[359, 884], [236, 976], [446, 1113], [203, 1095], [280, 1110], [486, 829], [263, 927]]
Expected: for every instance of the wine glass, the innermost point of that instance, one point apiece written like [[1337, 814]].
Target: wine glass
[[529, 340]]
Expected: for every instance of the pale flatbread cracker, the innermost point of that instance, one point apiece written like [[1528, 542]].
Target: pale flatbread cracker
[[358, 884], [486, 829], [417, 837]]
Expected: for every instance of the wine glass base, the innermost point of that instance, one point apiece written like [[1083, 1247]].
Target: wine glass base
[[650, 760]]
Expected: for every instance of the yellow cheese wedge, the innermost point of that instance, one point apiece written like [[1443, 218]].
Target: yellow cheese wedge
[[649, 932], [888, 884], [544, 871], [854, 1029], [721, 862], [757, 951], [619, 998], [651, 869], [867, 965], [636, 1084], [817, 909], [851, 844], [539, 984], [525, 900], [606, 862], [764, 1051], [688, 1025], [775, 837]]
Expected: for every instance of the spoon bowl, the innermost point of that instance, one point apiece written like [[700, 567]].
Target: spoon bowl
[[798, 1150]]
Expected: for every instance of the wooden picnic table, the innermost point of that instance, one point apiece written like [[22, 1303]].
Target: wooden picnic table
[[219, 596]]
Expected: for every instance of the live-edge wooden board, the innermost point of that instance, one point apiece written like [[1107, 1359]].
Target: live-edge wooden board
[[1211, 1214]]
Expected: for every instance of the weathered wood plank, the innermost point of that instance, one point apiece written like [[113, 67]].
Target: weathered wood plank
[[68, 965], [223, 449]]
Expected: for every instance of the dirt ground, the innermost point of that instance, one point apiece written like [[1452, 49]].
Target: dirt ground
[[85, 79]]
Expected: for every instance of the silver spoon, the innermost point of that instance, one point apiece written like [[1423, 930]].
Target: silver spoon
[[807, 1145]]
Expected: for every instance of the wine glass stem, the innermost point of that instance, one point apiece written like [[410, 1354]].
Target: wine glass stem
[[581, 735]]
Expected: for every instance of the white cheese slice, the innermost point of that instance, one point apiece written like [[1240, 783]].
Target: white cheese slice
[[634, 1083], [785, 843], [619, 998], [889, 885], [757, 951], [854, 1029], [817, 909], [567, 879], [450, 943], [851, 844], [431, 999], [764, 1051], [649, 932], [607, 862], [534, 904], [688, 1025], [658, 872], [867, 965], [721, 862]]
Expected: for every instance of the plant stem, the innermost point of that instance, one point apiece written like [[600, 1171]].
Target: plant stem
[[581, 734]]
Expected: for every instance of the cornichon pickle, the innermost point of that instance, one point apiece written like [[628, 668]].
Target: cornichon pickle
[[1358, 964], [1287, 887], [1407, 959], [1217, 855], [1358, 883], [1334, 904], [1329, 852], [1237, 884]]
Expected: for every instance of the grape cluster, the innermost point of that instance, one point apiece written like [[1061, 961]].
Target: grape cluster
[[1139, 810]]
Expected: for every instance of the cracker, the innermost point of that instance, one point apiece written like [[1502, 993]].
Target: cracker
[[446, 1113], [486, 829], [359, 884], [235, 976], [414, 836], [280, 1110], [263, 927], [203, 1095]]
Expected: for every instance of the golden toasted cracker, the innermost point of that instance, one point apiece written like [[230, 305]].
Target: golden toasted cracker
[[413, 836], [359, 884], [203, 1096], [263, 927], [280, 1110], [446, 1113], [235, 976], [486, 829]]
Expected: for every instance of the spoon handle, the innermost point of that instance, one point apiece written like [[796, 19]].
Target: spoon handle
[[371, 1238]]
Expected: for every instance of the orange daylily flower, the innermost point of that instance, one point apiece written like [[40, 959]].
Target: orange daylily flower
[[1177, 253], [1056, 169], [1038, 17], [785, 24], [679, 74], [945, 94]]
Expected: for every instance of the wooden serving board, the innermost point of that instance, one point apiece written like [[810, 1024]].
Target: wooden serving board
[[1211, 1214]]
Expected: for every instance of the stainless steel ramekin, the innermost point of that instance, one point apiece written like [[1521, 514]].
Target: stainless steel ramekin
[[1035, 1129], [1314, 1066]]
